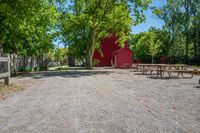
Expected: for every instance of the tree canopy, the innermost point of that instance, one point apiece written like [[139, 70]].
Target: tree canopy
[[29, 28], [179, 36], [86, 23], [182, 20]]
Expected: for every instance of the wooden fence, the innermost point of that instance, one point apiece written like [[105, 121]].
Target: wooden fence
[[5, 69]]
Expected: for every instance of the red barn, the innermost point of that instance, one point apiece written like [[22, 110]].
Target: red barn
[[122, 56], [112, 54]]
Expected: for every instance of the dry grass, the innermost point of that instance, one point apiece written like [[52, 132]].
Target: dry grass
[[7, 90]]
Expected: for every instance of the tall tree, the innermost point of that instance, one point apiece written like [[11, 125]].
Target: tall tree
[[87, 22], [61, 55], [26, 26], [155, 42], [181, 18], [153, 47]]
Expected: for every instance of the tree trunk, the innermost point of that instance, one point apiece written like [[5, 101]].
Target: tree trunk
[[32, 63], [42, 62], [24, 63], [91, 52], [1, 48], [88, 63], [14, 64], [152, 60], [186, 49], [195, 42], [91, 59], [195, 48]]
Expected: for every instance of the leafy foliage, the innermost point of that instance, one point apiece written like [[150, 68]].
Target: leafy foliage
[[181, 19], [61, 54], [179, 36], [140, 42], [86, 23], [153, 47], [26, 26]]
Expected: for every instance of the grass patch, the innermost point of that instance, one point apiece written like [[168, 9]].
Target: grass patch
[[66, 68], [6, 90]]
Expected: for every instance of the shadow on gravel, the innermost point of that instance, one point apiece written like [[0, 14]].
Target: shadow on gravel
[[154, 76], [163, 78], [65, 74], [140, 74], [167, 78]]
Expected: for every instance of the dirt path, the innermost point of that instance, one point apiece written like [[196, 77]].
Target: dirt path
[[101, 100]]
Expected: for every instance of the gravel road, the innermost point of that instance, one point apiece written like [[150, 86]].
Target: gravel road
[[101, 101]]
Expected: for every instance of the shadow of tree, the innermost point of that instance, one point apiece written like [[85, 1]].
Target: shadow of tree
[[165, 77], [66, 74]]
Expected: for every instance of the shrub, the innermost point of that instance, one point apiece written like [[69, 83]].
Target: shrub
[[95, 62]]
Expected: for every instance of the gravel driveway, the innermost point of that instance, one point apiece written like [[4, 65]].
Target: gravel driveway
[[101, 100]]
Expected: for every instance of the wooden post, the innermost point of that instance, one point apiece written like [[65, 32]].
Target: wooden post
[[6, 70], [7, 80]]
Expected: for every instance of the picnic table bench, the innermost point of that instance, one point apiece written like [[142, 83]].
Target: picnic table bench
[[180, 72], [160, 69]]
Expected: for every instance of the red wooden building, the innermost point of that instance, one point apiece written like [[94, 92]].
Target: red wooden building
[[112, 54]]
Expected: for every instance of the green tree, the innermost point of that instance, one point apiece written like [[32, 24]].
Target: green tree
[[51, 55], [61, 55], [138, 45], [26, 27], [153, 47], [181, 19], [88, 22]]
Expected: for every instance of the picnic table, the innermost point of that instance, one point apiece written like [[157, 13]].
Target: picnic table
[[150, 67], [161, 68]]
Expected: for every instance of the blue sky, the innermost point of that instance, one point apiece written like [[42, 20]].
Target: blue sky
[[151, 19]]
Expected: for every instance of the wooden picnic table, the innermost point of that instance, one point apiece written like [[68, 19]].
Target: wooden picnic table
[[160, 68]]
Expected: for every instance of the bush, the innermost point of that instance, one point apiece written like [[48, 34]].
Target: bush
[[95, 62], [36, 68], [25, 69], [42, 68]]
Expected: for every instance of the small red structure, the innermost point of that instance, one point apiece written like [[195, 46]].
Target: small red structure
[[112, 54], [123, 57]]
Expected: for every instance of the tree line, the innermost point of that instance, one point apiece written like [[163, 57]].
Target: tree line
[[180, 35], [29, 28], [85, 23]]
